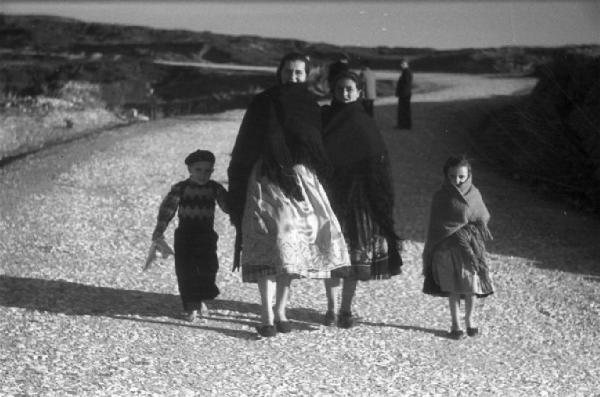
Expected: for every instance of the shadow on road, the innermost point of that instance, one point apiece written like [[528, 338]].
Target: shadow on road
[[59, 296], [525, 223]]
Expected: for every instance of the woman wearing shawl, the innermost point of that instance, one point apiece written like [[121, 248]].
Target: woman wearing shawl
[[454, 263], [361, 193], [285, 225]]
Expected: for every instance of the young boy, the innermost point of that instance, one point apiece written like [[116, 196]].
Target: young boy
[[196, 262]]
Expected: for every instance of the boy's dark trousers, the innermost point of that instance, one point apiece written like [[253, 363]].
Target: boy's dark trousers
[[196, 266]]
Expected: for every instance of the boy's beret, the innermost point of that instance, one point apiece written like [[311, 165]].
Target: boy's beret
[[200, 155]]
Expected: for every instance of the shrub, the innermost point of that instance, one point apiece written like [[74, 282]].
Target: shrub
[[81, 93], [552, 137]]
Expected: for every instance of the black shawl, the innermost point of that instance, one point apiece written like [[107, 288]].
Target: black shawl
[[282, 127], [350, 134], [358, 153]]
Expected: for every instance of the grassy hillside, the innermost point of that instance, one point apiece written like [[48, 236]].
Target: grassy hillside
[[77, 40], [551, 138], [62, 77]]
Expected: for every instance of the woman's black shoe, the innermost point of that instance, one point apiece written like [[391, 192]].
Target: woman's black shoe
[[266, 331], [346, 320]]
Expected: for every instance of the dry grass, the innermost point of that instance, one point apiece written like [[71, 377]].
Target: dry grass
[[31, 123]]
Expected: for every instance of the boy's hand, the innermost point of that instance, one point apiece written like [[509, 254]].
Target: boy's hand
[[151, 257], [163, 248]]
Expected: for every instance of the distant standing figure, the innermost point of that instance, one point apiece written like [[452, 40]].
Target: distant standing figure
[[196, 262], [404, 92], [369, 84], [454, 263]]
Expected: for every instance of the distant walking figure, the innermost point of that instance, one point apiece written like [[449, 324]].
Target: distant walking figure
[[404, 92], [278, 205], [362, 196], [454, 263], [369, 84], [196, 262]]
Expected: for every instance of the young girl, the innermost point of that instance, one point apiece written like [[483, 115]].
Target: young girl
[[196, 262], [454, 263], [361, 194]]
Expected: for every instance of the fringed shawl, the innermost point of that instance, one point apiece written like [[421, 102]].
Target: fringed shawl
[[282, 126], [460, 212], [294, 133]]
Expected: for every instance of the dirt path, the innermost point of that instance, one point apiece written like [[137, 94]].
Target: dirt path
[[78, 316]]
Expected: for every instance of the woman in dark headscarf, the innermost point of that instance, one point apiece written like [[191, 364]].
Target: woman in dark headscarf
[[277, 203], [361, 194]]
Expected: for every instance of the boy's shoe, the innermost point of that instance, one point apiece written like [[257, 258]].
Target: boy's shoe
[[346, 320], [472, 331], [266, 331], [456, 334], [283, 326], [330, 318], [190, 315]]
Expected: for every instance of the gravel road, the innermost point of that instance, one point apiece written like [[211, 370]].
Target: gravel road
[[79, 317]]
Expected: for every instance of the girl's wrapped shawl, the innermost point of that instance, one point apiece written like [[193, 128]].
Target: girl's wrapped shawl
[[461, 213], [357, 152]]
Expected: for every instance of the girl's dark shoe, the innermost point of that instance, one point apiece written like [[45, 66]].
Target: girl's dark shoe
[[266, 331], [329, 318], [283, 326], [346, 320], [472, 331], [456, 334]]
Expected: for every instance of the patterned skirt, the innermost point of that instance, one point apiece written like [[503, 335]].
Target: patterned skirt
[[281, 235], [369, 249]]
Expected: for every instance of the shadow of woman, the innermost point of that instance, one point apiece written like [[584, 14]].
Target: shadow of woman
[[59, 296], [237, 333]]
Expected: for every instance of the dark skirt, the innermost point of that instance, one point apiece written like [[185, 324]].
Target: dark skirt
[[196, 266], [404, 113]]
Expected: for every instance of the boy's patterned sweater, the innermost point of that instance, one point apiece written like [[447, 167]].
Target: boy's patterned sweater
[[195, 205]]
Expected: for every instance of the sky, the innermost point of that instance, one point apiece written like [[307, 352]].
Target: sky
[[441, 24]]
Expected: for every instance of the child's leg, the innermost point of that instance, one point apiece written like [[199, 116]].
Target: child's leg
[[454, 300], [468, 310], [266, 287], [283, 290], [331, 291]]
